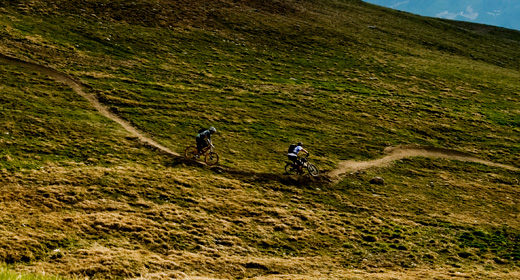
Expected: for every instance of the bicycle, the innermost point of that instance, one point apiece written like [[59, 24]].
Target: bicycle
[[210, 157], [292, 168]]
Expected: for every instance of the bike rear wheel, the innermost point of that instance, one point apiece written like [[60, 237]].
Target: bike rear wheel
[[211, 158], [289, 169], [190, 152], [313, 170]]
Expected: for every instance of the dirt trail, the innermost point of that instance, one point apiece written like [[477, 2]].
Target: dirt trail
[[397, 153], [76, 86], [393, 153]]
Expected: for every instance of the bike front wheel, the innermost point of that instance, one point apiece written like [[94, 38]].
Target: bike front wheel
[[191, 152], [313, 170], [211, 158]]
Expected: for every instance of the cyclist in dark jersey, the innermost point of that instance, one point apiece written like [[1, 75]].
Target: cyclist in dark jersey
[[204, 138]]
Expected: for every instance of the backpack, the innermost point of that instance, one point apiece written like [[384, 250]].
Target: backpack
[[201, 130], [291, 148]]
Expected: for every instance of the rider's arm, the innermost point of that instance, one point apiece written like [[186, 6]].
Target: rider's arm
[[208, 140], [303, 150]]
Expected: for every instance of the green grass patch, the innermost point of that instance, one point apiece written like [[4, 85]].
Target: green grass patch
[[9, 274]]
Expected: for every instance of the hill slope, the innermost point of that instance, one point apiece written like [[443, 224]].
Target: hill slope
[[82, 195]]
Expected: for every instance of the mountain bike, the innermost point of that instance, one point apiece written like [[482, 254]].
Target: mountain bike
[[210, 157], [292, 168]]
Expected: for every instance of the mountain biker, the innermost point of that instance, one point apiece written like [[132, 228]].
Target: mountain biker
[[203, 138], [293, 154]]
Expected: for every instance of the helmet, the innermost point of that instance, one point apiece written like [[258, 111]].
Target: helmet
[[212, 129], [300, 144]]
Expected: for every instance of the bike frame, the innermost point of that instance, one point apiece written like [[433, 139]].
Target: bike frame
[[305, 164], [207, 149]]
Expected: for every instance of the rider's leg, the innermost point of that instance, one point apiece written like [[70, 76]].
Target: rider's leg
[[294, 160], [200, 145]]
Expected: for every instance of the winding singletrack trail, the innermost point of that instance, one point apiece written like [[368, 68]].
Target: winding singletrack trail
[[76, 86], [397, 153], [392, 153]]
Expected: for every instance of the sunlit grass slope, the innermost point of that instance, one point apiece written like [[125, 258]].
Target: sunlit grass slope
[[8, 274], [81, 196], [265, 78]]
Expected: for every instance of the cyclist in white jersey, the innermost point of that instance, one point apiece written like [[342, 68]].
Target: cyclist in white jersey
[[293, 154]]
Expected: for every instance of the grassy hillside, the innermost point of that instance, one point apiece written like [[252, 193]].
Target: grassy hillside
[[83, 197]]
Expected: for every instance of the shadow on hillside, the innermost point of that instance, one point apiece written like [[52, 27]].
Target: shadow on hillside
[[286, 179], [252, 176]]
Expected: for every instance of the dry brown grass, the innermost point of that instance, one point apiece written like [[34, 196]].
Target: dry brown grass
[[145, 223]]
